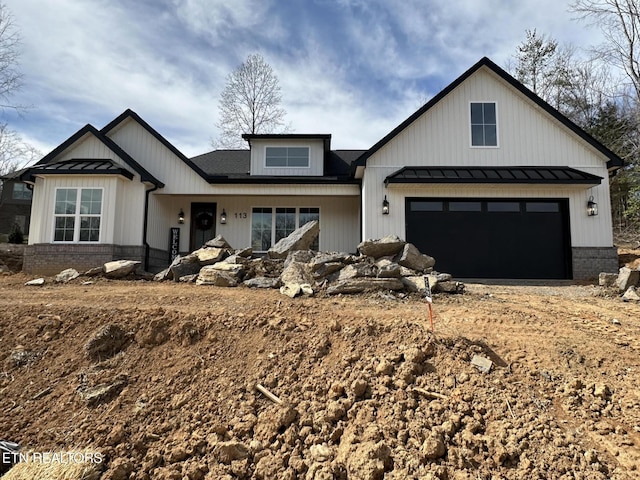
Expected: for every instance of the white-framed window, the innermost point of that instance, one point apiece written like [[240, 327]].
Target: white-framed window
[[271, 224], [286, 157], [77, 215], [21, 191], [484, 124]]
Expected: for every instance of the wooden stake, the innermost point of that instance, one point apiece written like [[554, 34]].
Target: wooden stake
[[428, 394], [509, 406], [268, 394]]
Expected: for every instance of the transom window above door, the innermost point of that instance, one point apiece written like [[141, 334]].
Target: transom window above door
[[484, 124], [296, 157]]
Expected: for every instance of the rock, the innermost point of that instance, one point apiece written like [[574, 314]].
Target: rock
[[236, 259], [227, 452], [244, 252], [163, 275], [120, 268], [218, 242], [607, 279], [433, 447], [35, 283], [92, 272], [106, 342], [601, 391], [387, 269], [104, 391], [296, 272], [358, 270], [262, 282], [300, 256], [325, 269], [631, 295], [481, 363], [386, 246], [358, 285], [210, 255], [369, 461], [209, 275], [299, 239], [181, 266], [294, 289], [235, 269], [67, 275], [322, 258], [415, 284], [627, 278], [449, 287], [120, 468], [188, 278], [410, 257]]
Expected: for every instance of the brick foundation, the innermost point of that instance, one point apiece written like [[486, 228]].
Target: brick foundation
[[588, 262], [158, 260], [50, 259]]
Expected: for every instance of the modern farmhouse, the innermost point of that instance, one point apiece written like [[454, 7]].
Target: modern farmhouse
[[486, 177]]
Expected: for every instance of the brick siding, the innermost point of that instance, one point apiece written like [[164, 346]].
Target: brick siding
[[588, 262]]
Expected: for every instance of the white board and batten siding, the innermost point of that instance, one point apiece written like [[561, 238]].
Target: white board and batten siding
[[527, 136], [316, 157], [339, 218]]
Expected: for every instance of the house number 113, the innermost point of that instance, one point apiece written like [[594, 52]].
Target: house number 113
[[241, 215]]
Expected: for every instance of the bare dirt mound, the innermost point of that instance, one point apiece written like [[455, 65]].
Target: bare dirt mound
[[162, 380]]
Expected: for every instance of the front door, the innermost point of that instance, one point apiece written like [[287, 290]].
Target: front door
[[203, 224]]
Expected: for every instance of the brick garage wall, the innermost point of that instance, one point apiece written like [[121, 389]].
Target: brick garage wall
[[50, 259], [158, 260], [588, 262]]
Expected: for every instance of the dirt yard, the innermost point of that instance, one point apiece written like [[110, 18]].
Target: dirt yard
[[160, 378]]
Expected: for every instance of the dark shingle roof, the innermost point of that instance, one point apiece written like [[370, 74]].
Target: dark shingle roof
[[546, 175], [89, 166]]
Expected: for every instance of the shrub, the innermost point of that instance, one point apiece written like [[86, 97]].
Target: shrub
[[16, 235]]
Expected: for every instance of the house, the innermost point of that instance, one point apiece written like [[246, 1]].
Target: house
[[15, 203], [486, 177]]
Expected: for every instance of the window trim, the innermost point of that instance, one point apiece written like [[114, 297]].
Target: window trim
[[77, 216], [471, 145], [308, 147], [273, 222]]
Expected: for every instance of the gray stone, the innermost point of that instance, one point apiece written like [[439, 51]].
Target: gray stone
[[217, 242], [481, 363], [187, 265], [188, 278], [120, 268], [301, 256], [627, 278], [35, 283], [210, 255], [325, 269], [237, 259], [322, 258], [410, 257], [106, 342], [67, 275], [388, 269], [358, 285], [300, 239], [296, 272], [262, 282], [414, 284], [443, 277], [357, 270], [104, 391], [389, 245], [607, 279], [227, 452], [163, 275], [294, 289], [448, 287], [631, 295], [244, 252], [235, 269], [211, 276], [92, 272]]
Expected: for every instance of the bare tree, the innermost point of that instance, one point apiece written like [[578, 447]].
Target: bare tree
[[250, 103], [619, 21], [10, 76]]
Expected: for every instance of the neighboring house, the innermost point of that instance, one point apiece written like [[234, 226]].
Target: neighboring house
[[486, 177], [15, 203]]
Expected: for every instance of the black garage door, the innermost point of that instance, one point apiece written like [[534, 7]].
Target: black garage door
[[493, 238]]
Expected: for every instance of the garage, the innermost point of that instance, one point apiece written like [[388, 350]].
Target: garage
[[493, 238]]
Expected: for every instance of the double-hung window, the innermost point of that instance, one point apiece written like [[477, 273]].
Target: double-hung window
[[21, 191], [484, 124], [283, 157], [77, 215], [270, 225]]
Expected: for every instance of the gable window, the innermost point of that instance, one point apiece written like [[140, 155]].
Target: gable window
[[277, 157], [484, 125], [21, 192], [77, 215], [270, 225]]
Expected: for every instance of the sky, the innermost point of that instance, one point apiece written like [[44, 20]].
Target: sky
[[351, 68]]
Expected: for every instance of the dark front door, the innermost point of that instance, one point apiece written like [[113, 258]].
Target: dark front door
[[203, 224], [493, 238]]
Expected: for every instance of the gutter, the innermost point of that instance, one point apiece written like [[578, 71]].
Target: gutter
[[145, 226]]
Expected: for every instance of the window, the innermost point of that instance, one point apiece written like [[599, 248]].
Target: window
[[21, 192], [77, 215], [503, 206], [484, 126], [269, 225], [287, 157], [465, 206]]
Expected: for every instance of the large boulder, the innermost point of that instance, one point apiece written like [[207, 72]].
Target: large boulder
[[119, 268], [627, 278], [296, 278], [299, 239], [412, 258], [384, 247], [210, 255], [358, 285], [219, 278], [218, 242], [358, 270], [182, 266], [67, 275]]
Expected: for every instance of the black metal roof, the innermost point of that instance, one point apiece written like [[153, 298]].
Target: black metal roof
[[233, 166], [80, 166], [532, 175]]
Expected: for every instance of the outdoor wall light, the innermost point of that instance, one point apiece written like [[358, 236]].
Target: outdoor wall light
[[223, 217], [181, 217], [385, 206], [592, 207]]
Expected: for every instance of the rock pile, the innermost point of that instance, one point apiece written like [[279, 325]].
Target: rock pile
[[389, 263], [626, 281]]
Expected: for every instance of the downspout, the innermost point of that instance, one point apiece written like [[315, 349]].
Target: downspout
[[145, 226]]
